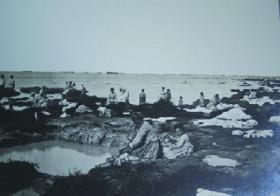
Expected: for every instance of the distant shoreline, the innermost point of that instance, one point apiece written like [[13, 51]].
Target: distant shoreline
[[122, 73]]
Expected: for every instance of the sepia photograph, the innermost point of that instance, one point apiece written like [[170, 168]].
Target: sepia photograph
[[140, 97]]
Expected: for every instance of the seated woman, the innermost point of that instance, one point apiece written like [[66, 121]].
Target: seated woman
[[146, 144], [112, 97]]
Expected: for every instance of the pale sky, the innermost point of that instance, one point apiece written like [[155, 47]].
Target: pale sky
[[143, 36]]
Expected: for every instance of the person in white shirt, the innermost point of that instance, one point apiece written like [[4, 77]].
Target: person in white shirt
[[126, 95], [112, 98], [163, 94]]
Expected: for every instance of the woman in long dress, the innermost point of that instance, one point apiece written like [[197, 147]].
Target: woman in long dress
[[146, 144]]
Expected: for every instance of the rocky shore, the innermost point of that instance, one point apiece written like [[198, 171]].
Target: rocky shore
[[235, 147]]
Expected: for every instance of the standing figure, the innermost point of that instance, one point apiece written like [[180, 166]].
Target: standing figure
[[70, 85], [121, 96], [201, 100], [180, 104], [126, 96], [142, 97], [163, 94], [2, 81], [168, 95], [11, 82], [66, 85], [112, 98]]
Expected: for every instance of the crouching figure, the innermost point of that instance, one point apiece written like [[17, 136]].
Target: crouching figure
[[146, 142]]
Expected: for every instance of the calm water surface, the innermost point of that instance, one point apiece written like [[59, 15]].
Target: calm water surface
[[58, 157]]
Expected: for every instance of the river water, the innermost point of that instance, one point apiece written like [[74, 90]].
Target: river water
[[58, 157]]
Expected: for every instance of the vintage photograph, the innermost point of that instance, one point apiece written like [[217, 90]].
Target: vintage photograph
[[140, 97]]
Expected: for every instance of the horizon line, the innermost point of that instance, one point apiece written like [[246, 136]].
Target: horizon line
[[119, 73]]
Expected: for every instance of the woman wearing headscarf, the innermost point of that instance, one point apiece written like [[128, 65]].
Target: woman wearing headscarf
[[146, 143]]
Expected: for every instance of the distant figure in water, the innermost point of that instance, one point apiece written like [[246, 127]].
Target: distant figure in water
[[112, 98], [201, 100], [168, 95], [11, 82], [163, 94], [2, 81], [142, 97], [181, 102]]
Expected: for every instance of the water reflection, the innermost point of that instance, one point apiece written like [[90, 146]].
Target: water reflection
[[58, 157]]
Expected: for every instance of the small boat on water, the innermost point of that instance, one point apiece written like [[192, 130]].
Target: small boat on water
[[185, 82]]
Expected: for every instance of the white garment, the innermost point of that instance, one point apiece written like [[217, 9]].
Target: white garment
[[11, 83], [2, 82]]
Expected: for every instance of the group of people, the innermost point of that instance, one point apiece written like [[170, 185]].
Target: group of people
[[202, 101], [71, 85], [10, 84], [123, 96], [212, 104], [113, 98], [165, 95]]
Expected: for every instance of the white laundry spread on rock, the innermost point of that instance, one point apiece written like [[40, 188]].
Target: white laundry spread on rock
[[83, 109], [15, 108], [217, 161], [274, 119], [260, 101], [204, 192], [161, 119], [258, 133], [199, 109], [237, 132], [253, 133], [71, 105], [64, 115], [234, 118], [220, 106]]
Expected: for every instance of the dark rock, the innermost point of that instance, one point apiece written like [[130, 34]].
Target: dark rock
[[15, 176], [36, 89], [89, 101], [7, 92]]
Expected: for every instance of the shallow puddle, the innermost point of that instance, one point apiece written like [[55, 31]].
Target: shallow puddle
[[58, 157]]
